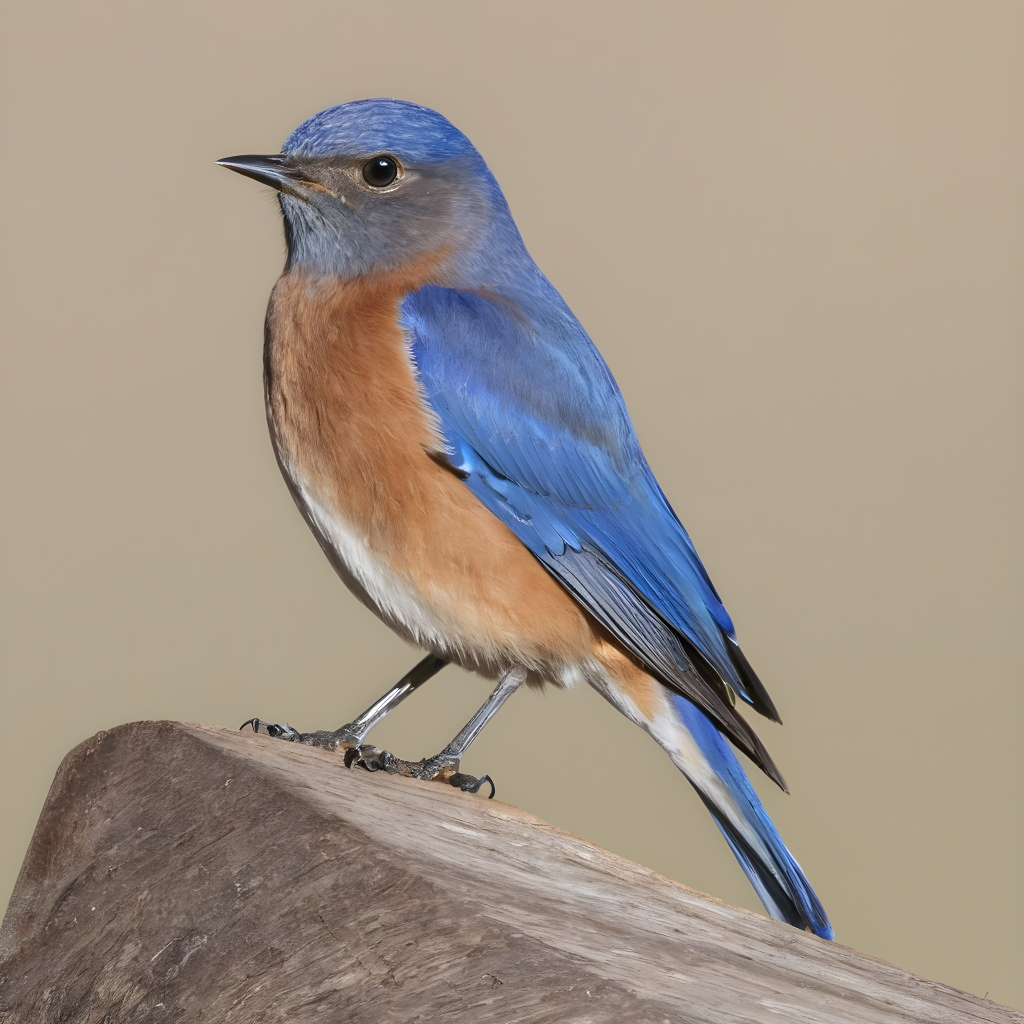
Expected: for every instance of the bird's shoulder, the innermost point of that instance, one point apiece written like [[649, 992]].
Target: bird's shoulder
[[518, 363]]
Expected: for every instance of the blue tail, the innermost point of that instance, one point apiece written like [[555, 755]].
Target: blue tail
[[778, 879]]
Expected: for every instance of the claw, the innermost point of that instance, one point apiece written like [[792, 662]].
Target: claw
[[284, 732], [372, 759], [439, 769], [469, 784], [344, 737]]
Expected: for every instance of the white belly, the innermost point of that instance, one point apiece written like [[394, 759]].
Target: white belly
[[369, 575]]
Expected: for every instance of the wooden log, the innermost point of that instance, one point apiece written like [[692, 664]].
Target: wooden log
[[195, 874]]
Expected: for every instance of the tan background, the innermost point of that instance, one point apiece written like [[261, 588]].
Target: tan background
[[795, 230]]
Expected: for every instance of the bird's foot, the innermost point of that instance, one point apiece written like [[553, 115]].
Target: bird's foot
[[440, 768], [344, 738]]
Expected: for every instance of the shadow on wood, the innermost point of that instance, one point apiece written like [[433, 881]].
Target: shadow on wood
[[189, 873]]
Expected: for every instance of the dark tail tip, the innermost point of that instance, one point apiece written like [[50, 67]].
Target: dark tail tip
[[782, 886]]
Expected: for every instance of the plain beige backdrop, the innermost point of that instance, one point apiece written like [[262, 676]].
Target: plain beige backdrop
[[796, 231]]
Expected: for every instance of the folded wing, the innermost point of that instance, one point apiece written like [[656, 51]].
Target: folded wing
[[534, 422]]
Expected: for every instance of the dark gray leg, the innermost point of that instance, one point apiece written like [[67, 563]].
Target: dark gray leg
[[353, 734], [445, 765]]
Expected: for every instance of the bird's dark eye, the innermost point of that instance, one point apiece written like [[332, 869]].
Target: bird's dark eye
[[381, 171]]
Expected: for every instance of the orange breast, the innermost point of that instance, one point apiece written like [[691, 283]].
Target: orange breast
[[353, 435]]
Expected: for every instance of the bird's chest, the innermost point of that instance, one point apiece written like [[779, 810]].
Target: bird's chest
[[352, 433], [354, 439]]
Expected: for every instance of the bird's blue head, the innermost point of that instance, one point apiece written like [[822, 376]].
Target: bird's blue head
[[367, 187]]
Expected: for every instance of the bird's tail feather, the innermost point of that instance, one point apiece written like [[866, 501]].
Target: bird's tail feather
[[732, 801]]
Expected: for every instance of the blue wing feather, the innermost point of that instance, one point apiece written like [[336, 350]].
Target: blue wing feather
[[531, 414]]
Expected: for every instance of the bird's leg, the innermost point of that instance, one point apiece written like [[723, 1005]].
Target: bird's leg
[[444, 766], [353, 734]]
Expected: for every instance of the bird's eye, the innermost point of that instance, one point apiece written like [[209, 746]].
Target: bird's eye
[[381, 171]]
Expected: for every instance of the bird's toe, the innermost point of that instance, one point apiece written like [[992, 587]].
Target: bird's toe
[[372, 759], [283, 732]]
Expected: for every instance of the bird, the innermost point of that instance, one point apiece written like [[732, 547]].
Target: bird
[[465, 459]]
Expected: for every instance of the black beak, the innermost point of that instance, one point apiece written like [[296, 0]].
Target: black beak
[[270, 170]]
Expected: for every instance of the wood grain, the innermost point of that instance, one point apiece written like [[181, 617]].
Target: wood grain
[[195, 874]]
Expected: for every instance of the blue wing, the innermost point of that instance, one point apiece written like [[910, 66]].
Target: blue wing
[[534, 421]]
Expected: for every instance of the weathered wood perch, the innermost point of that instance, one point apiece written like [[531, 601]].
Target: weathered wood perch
[[195, 874]]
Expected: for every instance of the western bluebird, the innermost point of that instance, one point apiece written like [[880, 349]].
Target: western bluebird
[[465, 459]]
